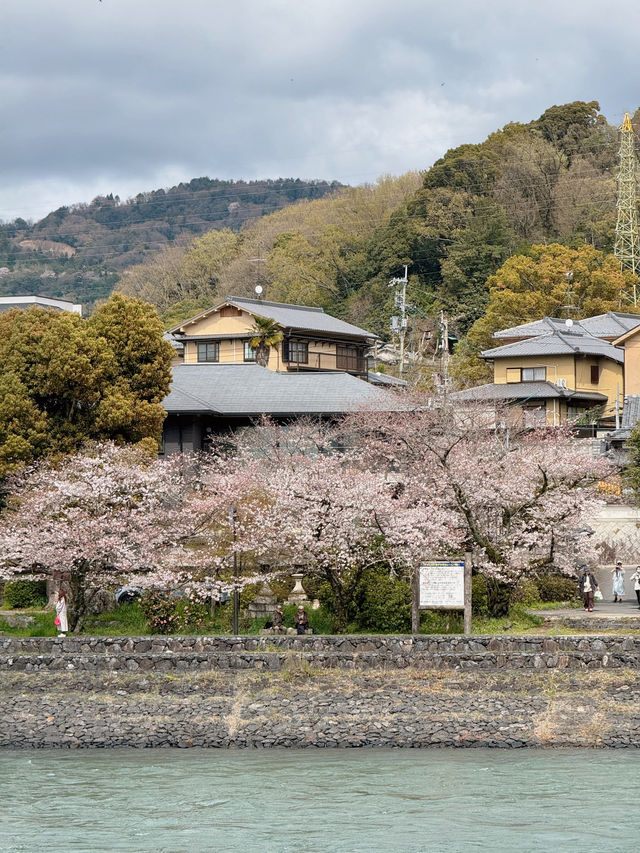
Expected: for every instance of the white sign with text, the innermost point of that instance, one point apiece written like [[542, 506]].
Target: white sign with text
[[442, 584]]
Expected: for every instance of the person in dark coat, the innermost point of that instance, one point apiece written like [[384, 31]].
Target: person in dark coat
[[302, 620], [278, 619], [588, 586]]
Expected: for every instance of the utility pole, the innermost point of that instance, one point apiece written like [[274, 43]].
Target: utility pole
[[236, 593], [627, 243], [444, 343], [400, 301]]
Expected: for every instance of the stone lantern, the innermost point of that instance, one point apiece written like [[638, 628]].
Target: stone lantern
[[297, 594]]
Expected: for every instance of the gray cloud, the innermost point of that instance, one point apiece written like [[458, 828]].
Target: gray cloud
[[125, 95]]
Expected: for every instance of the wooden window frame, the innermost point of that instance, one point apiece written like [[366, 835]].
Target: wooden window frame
[[298, 352], [211, 350]]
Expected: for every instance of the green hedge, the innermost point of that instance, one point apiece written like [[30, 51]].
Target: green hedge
[[557, 588], [19, 595]]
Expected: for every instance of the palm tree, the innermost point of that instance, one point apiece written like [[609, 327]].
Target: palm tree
[[266, 334]]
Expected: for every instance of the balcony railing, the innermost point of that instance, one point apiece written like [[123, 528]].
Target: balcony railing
[[318, 360]]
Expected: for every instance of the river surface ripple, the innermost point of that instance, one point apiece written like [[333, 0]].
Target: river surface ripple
[[320, 801]]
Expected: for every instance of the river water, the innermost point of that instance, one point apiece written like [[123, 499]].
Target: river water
[[320, 801]]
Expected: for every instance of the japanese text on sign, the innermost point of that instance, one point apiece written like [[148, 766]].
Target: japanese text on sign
[[442, 584]]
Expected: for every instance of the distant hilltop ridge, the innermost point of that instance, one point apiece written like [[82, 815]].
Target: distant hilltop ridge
[[80, 249]]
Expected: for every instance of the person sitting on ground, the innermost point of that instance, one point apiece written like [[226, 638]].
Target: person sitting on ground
[[278, 619], [617, 575], [302, 620], [635, 577], [588, 586]]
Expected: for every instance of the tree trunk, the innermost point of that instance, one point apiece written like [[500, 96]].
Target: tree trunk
[[262, 355], [498, 597]]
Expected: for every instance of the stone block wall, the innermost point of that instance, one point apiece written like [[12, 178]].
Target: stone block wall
[[167, 654]]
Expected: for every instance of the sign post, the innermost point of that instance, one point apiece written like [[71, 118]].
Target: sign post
[[442, 585]]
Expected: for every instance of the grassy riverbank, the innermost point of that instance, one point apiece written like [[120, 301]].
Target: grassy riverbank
[[129, 620]]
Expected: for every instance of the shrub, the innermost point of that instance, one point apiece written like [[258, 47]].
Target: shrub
[[383, 604], [441, 622], [479, 605], [525, 592], [320, 620], [21, 594], [168, 615], [557, 588]]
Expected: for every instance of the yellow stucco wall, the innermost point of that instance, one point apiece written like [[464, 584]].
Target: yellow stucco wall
[[558, 367], [632, 365], [214, 324], [576, 372], [322, 354]]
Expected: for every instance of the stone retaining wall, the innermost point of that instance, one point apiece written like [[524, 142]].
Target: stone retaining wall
[[274, 654], [364, 691], [304, 707]]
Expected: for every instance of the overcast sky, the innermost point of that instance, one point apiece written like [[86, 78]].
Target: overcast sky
[[127, 95]]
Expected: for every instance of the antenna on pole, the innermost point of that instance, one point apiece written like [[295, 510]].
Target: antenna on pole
[[400, 301], [627, 244]]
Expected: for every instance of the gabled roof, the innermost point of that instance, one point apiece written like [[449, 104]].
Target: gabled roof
[[610, 325], [251, 390], [613, 324], [532, 329], [288, 316], [571, 341], [525, 391], [8, 302]]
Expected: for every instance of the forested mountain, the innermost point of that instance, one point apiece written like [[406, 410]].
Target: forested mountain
[[493, 233], [549, 181], [77, 252]]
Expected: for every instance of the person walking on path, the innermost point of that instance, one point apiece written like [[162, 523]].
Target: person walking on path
[[617, 577], [635, 577], [61, 614], [588, 586]]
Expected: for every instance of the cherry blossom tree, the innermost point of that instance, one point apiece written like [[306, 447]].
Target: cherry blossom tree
[[112, 515], [329, 511], [516, 497]]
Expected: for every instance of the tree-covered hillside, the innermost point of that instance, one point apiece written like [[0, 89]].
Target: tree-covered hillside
[[77, 252], [455, 225]]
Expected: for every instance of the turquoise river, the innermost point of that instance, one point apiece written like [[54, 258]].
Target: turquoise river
[[293, 801]]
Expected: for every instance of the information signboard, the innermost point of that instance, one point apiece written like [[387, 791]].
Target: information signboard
[[441, 585]]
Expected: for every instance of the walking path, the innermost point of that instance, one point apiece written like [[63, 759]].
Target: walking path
[[606, 613]]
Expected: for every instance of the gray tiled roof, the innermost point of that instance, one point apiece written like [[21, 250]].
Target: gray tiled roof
[[299, 317], [568, 342], [248, 389], [176, 344], [290, 317], [530, 330], [385, 379], [609, 325], [630, 419], [8, 302], [524, 391], [630, 411]]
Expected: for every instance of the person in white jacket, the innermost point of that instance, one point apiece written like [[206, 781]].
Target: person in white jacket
[[61, 613], [635, 577]]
